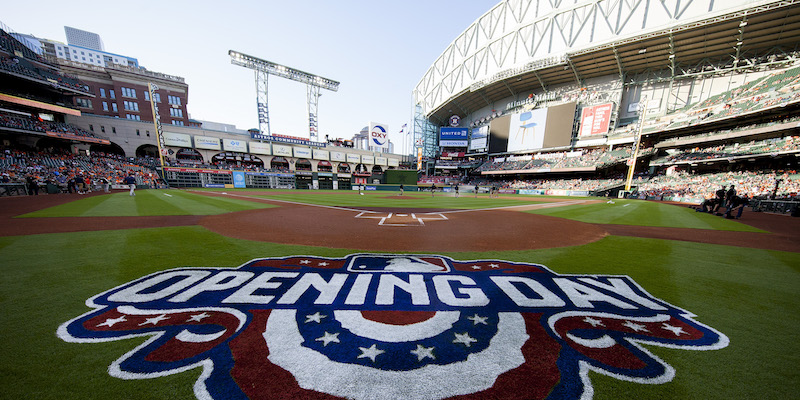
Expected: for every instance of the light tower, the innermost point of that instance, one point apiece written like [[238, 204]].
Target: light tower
[[264, 68]]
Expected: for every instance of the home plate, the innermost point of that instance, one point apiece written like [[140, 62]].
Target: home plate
[[392, 219]]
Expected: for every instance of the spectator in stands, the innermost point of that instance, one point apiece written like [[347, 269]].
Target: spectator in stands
[[80, 183], [33, 184], [131, 182]]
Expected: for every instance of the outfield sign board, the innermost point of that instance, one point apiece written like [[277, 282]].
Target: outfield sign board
[[259, 148], [368, 160], [177, 139], [353, 158], [414, 326], [595, 119], [320, 154], [234, 145], [281, 150], [206, 142], [453, 137], [381, 161], [302, 152], [338, 156], [393, 162], [480, 138]]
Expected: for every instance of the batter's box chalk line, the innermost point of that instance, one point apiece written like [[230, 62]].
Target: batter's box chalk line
[[402, 219]]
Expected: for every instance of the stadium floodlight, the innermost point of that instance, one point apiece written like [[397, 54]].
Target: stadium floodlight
[[264, 68]]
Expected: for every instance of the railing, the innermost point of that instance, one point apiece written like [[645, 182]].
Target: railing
[[777, 206]]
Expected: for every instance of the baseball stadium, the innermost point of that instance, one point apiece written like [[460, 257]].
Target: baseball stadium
[[601, 203]]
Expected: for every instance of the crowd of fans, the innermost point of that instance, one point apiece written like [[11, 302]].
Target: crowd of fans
[[22, 66], [60, 171], [754, 147], [596, 158], [758, 184], [15, 121]]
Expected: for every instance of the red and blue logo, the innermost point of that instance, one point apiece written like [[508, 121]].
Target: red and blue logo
[[389, 326]]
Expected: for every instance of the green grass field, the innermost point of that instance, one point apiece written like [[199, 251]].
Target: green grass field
[[750, 295]]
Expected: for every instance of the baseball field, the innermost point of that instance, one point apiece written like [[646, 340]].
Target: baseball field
[[231, 294]]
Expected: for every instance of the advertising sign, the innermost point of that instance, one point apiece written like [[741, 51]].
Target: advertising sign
[[380, 160], [320, 154], [368, 160], [302, 152], [526, 130], [479, 139], [208, 143], [260, 148], [354, 158], [453, 137], [378, 135], [177, 139], [285, 139], [338, 156], [238, 179], [280, 150], [234, 145], [393, 162], [595, 119]]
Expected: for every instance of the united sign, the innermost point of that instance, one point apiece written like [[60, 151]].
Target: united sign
[[371, 326]]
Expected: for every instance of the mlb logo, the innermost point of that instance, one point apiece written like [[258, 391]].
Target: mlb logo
[[398, 263]]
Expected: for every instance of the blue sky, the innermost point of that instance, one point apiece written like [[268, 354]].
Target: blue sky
[[377, 50]]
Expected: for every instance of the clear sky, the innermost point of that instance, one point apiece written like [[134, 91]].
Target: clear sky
[[377, 50]]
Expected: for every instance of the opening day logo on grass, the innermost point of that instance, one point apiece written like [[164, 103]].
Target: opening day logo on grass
[[389, 326]]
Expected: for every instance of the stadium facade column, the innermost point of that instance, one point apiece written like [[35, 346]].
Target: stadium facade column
[[151, 87], [635, 153]]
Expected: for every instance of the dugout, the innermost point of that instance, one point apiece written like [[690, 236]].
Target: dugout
[[325, 180], [196, 177], [269, 180], [303, 180], [343, 181]]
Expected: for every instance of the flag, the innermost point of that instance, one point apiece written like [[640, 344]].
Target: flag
[[403, 128]]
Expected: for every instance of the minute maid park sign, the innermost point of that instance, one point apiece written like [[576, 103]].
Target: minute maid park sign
[[376, 326]]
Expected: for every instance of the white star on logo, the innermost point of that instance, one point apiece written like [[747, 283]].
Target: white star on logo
[[464, 339], [636, 327], [111, 321], [305, 262], [677, 330], [422, 352], [198, 317], [478, 320], [476, 267], [370, 352], [494, 265], [328, 337], [594, 322], [323, 264], [316, 317], [155, 320]]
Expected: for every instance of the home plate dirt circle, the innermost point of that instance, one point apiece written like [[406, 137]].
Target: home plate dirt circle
[[401, 230]]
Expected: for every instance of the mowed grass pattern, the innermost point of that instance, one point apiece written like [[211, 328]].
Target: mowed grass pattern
[[645, 213], [148, 202], [747, 294], [414, 200]]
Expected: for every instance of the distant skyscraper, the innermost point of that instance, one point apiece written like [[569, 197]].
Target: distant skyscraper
[[83, 38]]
